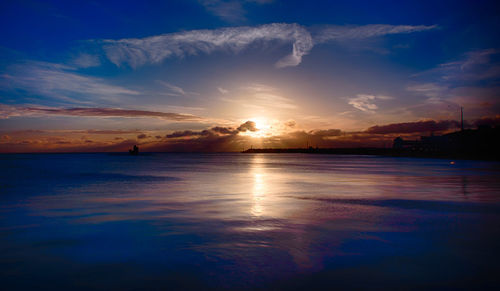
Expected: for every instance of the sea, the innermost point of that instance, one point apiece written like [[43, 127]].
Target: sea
[[169, 221]]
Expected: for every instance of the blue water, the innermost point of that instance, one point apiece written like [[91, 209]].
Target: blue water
[[238, 221]]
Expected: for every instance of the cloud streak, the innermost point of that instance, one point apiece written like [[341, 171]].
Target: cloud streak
[[175, 90], [222, 90], [229, 10], [470, 81], [7, 111], [474, 66], [62, 82], [155, 49], [139, 51], [365, 102], [414, 127], [86, 61], [339, 33], [260, 96]]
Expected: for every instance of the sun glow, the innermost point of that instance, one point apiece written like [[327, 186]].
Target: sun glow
[[264, 126]]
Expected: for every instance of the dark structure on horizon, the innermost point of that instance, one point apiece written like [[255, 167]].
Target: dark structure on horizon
[[134, 151], [482, 143]]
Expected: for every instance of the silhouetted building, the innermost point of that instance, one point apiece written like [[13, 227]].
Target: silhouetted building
[[399, 143], [483, 142]]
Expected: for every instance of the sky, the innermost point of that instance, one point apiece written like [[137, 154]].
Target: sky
[[214, 75]]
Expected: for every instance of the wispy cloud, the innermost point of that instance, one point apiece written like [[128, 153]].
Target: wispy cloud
[[268, 99], [290, 123], [152, 50], [431, 90], [262, 96], [7, 111], [86, 61], [366, 103], [229, 10], [478, 65], [222, 90], [259, 88], [175, 90], [475, 65], [478, 57], [61, 82], [139, 51], [338, 33], [470, 81]]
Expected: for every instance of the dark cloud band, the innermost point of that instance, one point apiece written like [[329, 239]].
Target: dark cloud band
[[10, 111]]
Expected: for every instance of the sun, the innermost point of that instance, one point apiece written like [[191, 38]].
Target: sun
[[264, 126]]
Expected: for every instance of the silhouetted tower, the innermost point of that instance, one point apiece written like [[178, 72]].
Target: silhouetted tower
[[461, 118]]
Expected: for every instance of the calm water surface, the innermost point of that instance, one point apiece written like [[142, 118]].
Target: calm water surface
[[237, 221]]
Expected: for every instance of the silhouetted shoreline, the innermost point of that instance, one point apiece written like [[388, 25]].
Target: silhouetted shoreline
[[472, 144]]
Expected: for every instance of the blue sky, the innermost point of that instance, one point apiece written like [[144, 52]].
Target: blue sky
[[151, 68]]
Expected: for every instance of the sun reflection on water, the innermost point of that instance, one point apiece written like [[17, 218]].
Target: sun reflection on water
[[260, 186], [258, 215]]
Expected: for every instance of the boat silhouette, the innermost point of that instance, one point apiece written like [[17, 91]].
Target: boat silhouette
[[134, 151]]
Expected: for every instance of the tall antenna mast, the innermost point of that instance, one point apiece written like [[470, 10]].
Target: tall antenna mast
[[461, 118]]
